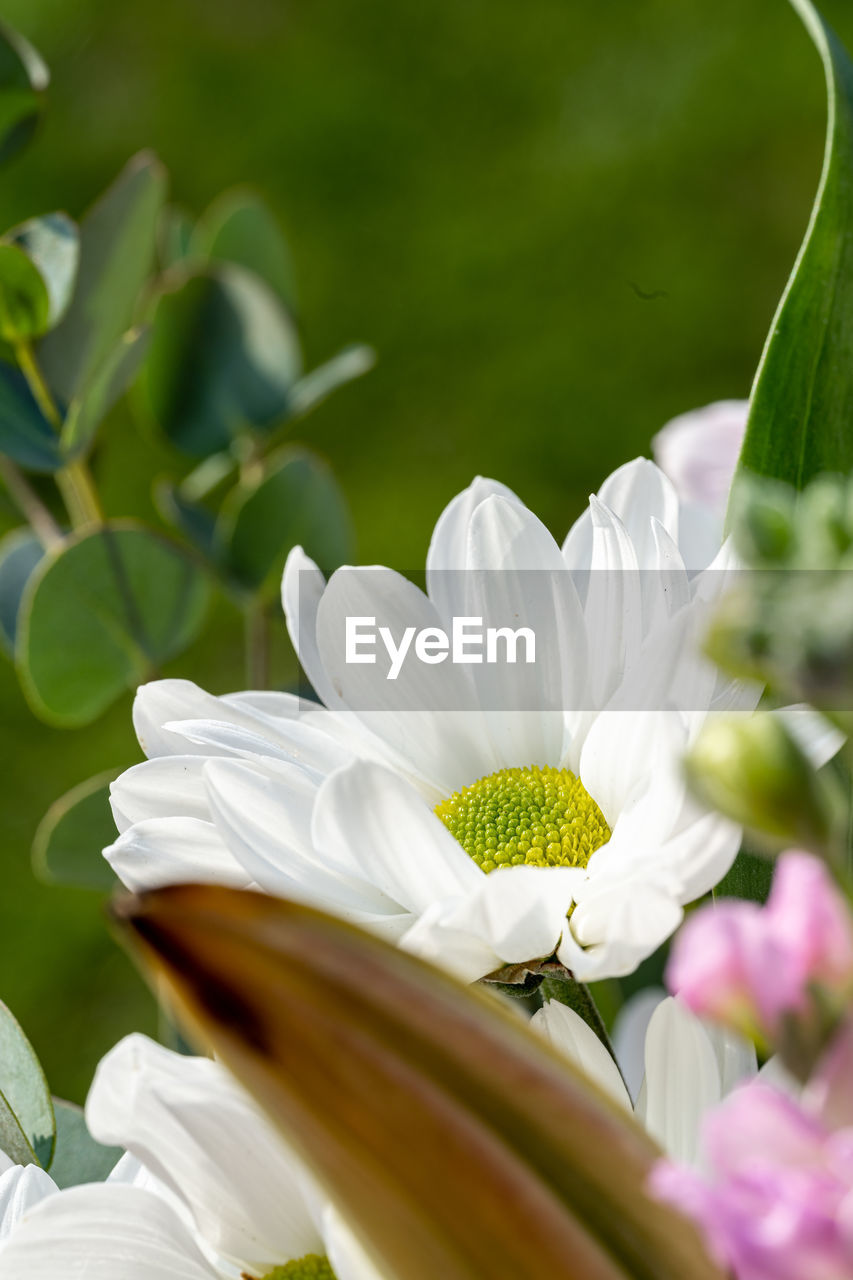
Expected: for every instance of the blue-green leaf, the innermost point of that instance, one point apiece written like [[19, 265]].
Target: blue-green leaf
[[23, 81], [69, 839], [117, 242], [25, 1088], [99, 615], [78, 1157], [107, 384], [25, 434], [298, 502], [20, 552], [52, 244], [801, 416], [350, 363], [224, 356], [239, 227]]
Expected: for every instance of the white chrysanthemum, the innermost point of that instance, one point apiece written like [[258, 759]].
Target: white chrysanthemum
[[688, 1068], [208, 1191], [561, 781]]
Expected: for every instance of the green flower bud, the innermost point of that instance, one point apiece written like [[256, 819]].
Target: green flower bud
[[753, 771]]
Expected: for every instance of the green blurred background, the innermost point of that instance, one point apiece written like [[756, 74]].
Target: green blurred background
[[483, 191]]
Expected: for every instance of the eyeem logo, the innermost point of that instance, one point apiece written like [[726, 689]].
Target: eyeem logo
[[468, 642]]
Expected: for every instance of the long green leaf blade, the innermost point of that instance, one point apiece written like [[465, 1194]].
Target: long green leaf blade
[[801, 415], [454, 1141]]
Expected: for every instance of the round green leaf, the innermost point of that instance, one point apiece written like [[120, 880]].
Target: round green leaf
[[20, 552], [53, 246], [298, 502], [68, 843], [24, 299], [100, 615], [239, 227], [224, 355], [25, 434], [25, 1089], [174, 236], [107, 384], [78, 1157], [23, 81], [13, 1141]]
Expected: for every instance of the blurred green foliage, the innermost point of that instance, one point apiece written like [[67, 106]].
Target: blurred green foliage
[[558, 224]]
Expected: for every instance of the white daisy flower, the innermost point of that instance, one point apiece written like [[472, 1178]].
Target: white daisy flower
[[689, 1066], [699, 452], [483, 817], [208, 1190]]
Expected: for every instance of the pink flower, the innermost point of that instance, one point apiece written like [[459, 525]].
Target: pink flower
[[775, 1199], [752, 966], [699, 452]]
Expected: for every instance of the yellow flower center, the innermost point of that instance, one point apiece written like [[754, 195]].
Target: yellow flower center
[[312, 1267], [541, 817]]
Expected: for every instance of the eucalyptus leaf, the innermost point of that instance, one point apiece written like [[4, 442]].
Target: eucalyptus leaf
[[174, 236], [350, 363], [109, 382], [456, 1142], [13, 1141], [802, 401], [24, 299], [239, 227], [298, 502], [52, 244], [100, 615], [749, 877], [25, 1089], [224, 356], [117, 244], [23, 81], [195, 522], [69, 839], [78, 1158], [25, 434], [20, 552]]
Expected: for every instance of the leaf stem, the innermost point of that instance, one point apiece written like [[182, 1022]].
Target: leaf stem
[[74, 480], [30, 505]]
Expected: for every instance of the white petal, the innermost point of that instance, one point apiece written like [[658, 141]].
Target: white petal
[[613, 608], [158, 704], [682, 1079], [815, 735], [264, 813], [516, 914], [612, 930], [428, 716], [699, 451], [297, 743], [21, 1188], [348, 1257], [639, 493], [570, 1035], [102, 1232], [736, 1057], [302, 590], [393, 838], [166, 787], [448, 547], [197, 1131], [174, 851], [626, 751], [629, 1035]]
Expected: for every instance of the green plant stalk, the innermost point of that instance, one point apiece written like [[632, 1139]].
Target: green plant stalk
[[30, 505], [74, 480]]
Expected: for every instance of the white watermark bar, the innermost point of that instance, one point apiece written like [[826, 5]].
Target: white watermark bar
[[468, 642], [558, 641]]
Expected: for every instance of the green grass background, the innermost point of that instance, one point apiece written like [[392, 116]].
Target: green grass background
[[479, 189]]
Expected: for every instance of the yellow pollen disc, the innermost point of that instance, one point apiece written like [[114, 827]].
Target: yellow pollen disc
[[541, 817], [312, 1267]]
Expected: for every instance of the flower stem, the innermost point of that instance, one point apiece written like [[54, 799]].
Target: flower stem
[[30, 505], [74, 480]]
